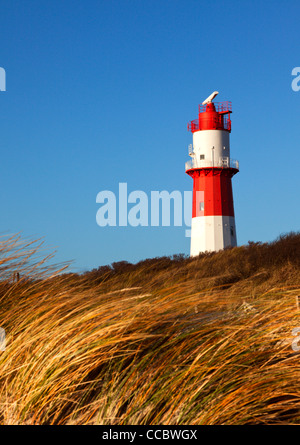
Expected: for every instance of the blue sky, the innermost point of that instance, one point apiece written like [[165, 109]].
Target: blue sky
[[100, 92]]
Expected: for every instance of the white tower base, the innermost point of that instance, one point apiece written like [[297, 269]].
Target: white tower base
[[212, 233]]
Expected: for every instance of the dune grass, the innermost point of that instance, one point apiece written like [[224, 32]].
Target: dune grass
[[165, 341]]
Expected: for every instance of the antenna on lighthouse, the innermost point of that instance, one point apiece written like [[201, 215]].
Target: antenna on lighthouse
[[210, 98]]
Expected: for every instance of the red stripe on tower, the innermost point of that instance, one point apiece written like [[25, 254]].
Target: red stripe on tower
[[213, 223]]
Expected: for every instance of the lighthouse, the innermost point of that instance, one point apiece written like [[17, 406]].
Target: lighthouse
[[213, 223]]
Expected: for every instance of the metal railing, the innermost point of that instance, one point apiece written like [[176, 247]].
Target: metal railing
[[223, 162], [191, 150], [221, 122], [221, 107]]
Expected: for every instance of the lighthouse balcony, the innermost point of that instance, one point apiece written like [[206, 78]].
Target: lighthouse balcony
[[222, 162]]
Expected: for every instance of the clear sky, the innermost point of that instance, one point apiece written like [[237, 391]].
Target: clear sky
[[100, 92]]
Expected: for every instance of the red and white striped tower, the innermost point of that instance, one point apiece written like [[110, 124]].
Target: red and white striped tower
[[213, 224]]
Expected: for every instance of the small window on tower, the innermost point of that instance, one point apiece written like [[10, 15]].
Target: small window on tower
[[202, 157], [201, 206], [231, 230]]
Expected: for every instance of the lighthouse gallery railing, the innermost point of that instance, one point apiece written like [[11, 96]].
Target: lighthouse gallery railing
[[223, 162]]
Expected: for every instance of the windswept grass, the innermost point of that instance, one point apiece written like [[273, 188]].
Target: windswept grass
[[165, 341]]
